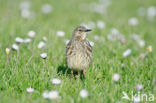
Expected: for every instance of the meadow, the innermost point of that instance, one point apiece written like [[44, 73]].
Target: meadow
[[124, 55]]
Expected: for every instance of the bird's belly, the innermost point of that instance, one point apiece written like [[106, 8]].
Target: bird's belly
[[79, 61]]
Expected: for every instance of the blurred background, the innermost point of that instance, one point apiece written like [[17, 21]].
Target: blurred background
[[120, 28], [46, 17]]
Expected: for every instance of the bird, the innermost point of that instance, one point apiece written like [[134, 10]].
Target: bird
[[79, 51]]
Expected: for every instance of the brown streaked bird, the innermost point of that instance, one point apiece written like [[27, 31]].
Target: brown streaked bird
[[79, 51]]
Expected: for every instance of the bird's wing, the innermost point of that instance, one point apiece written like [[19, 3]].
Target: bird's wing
[[69, 50], [89, 51], [68, 47], [89, 47]]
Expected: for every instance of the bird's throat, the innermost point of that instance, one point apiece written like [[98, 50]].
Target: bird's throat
[[82, 37]]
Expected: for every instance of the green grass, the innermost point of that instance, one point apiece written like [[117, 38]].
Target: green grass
[[28, 69]]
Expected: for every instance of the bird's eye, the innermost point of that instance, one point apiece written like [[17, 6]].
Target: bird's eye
[[80, 30]]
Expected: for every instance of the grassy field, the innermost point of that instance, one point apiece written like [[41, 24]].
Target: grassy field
[[26, 68]]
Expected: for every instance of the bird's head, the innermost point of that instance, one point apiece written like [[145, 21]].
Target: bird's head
[[80, 32]]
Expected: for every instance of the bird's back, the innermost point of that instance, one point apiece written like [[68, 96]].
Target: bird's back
[[78, 54]]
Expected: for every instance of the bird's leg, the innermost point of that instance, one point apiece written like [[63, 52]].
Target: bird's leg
[[72, 72], [78, 75], [84, 72]]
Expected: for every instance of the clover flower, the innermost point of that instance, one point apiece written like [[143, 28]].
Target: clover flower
[[56, 81], [84, 93], [127, 53], [41, 45], [116, 77], [31, 34], [43, 55], [30, 90], [19, 40], [60, 33], [46, 8], [133, 21], [53, 95], [15, 47]]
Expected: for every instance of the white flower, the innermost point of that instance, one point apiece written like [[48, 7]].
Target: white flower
[[114, 31], [28, 40], [60, 33], [41, 45], [139, 87], [45, 94], [116, 77], [136, 99], [101, 24], [19, 40], [53, 95], [115, 35], [56, 81], [84, 93], [25, 10], [30, 90], [46, 9], [141, 43], [15, 47], [26, 13], [31, 34], [7, 50], [25, 5], [66, 41], [45, 38], [151, 12], [92, 43], [100, 7], [149, 48], [133, 21], [43, 55], [127, 53]]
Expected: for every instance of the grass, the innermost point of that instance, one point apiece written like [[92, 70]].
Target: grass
[[29, 69]]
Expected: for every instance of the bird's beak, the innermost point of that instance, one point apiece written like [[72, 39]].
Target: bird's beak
[[88, 30]]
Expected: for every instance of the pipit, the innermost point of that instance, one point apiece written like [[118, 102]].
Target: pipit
[[79, 51]]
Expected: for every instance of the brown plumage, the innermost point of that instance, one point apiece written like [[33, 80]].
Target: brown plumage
[[79, 51]]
